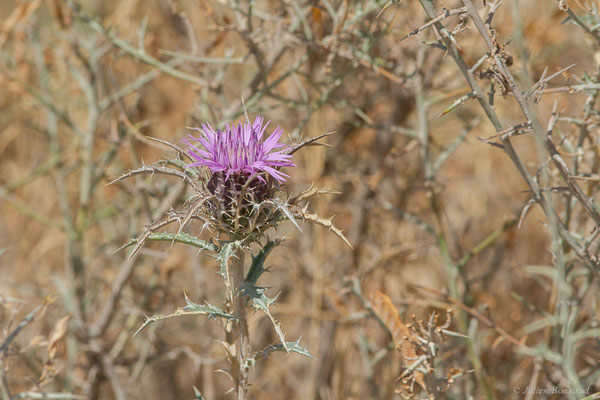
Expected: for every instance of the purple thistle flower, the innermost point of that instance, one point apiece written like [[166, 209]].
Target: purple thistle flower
[[240, 150]]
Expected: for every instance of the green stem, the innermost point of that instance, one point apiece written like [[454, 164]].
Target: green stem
[[238, 335]]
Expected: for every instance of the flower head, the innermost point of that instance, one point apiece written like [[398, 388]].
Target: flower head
[[240, 150]]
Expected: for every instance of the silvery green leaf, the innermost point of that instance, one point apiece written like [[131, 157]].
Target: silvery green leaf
[[259, 299], [208, 309], [179, 238], [291, 347], [225, 253], [178, 162], [261, 302], [191, 308]]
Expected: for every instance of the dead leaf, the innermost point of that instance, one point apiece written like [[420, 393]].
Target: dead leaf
[[49, 371], [59, 331], [388, 313]]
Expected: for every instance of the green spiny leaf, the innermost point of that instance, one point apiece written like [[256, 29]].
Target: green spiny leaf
[[180, 238], [178, 162], [259, 299], [258, 261], [209, 309], [261, 302], [191, 308], [291, 347], [225, 253]]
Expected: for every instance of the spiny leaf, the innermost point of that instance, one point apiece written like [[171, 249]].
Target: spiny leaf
[[191, 308], [140, 240], [283, 207], [178, 162], [225, 253], [258, 261], [291, 347], [308, 142], [261, 302], [172, 237], [157, 170], [178, 149], [328, 223], [212, 311], [310, 192], [183, 238], [259, 299], [198, 202]]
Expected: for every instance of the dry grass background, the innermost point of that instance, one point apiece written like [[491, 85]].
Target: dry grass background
[[350, 73]]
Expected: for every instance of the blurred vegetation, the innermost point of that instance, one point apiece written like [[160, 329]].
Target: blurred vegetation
[[452, 197]]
